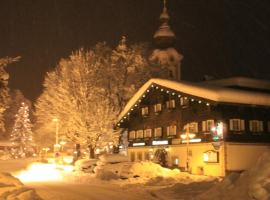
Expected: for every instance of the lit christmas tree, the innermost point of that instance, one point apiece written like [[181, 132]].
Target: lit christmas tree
[[22, 135]]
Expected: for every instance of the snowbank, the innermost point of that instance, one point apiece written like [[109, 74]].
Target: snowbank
[[124, 170], [86, 165], [113, 158], [250, 185], [12, 189]]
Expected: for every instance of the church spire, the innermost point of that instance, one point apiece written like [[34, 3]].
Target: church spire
[[164, 36], [164, 53]]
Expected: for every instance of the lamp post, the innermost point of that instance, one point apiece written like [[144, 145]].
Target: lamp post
[[187, 136]]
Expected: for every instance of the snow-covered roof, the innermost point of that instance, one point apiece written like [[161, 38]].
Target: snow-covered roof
[[241, 82], [201, 91]]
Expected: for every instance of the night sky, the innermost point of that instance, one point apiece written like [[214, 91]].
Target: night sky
[[217, 37]]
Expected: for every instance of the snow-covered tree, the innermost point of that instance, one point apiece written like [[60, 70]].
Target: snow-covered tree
[[87, 91], [4, 90], [22, 134], [16, 98]]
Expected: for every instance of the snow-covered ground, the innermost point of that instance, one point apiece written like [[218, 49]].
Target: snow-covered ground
[[144, 180]]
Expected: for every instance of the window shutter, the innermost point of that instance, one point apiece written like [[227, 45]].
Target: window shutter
[[250, 126], [173, 103], [168, 130], [168, 104], [203, 126], [260, 126], [196, 127], [242, 125], [231, 124], [174, 130]]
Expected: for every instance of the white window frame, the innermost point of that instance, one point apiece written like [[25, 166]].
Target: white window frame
[[207, 125], [156, 134], [148, 133], [139, 134], [255, 126], [171, 130], [145, 111], [170, 103], [240, 123], [132, 135], [158, 107], [184, 101]]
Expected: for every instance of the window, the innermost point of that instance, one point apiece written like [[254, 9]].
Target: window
[[158, 132], [148, 133], [139, 134], [184, 101], [132, 156], [170, 103], [207, 125], [171, 130], [146, 155], [237, 125], [132, 135], [255, 126], [157, 107], [193, 127], [145, 111], [139, 156]]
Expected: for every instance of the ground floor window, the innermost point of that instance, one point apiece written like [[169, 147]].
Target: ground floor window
[[255, 126], [132, 156], [139, 156], [237, 125]]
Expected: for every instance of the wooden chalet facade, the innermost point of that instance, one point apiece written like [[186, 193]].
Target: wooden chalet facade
[[229, 123]]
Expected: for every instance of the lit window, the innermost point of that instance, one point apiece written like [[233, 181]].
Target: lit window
[[237, 125], [139, 134], [170, 103], [193, 127], [132, 156], [145, 111], [208, 125], [148, 133], [132, 135], [139, 156], [171, 130], [158, 107], [255, 126], [158, 132], [184, 101]]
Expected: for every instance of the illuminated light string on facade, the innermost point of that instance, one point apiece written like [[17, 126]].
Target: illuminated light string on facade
[[162, 90]]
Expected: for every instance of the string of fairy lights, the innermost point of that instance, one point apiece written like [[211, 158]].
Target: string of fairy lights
[[167, 91]]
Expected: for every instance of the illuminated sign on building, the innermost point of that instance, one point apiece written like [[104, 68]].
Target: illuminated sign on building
[[194, 140], [160, 142], [138, 144]]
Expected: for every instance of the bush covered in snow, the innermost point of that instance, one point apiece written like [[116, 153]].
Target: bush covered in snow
[[253, 184]]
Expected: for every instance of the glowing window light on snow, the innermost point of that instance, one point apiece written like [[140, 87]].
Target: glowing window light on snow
[[38, 172]]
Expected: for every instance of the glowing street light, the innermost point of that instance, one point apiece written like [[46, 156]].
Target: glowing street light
[[187, 136]]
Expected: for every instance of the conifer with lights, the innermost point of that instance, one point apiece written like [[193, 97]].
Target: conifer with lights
[[22, 135]]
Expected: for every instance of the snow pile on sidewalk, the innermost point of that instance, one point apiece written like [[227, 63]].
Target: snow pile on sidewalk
[[253, 184], [85, 165], [117, 167], [12, 189]]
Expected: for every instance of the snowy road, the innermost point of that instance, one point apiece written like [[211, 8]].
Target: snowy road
[[74, 191]]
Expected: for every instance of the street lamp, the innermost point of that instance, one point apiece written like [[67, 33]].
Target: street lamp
[[187, 136]]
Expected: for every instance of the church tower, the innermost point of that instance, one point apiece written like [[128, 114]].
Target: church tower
[[164, 53]]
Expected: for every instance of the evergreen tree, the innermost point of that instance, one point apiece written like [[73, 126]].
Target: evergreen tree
[[22, 134]]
